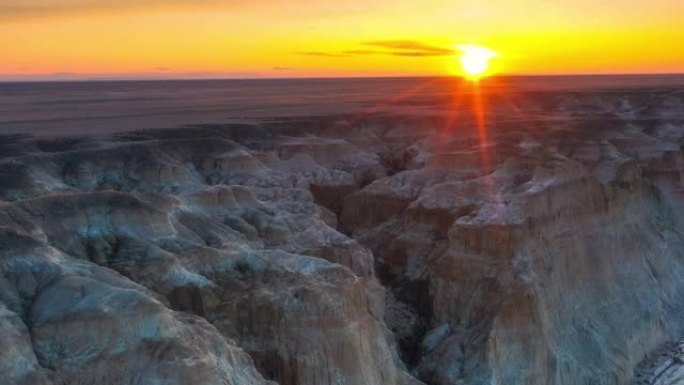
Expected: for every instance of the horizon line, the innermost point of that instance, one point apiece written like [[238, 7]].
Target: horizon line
[[51, 78]]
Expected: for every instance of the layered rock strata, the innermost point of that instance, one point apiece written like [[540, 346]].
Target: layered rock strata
[[386, 249]]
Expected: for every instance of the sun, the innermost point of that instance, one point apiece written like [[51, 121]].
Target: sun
[[475, 60]]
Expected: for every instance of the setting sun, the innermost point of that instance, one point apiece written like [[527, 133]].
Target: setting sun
[[475, 59]]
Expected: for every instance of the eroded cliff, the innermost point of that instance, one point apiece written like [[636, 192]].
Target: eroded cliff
[[383, 249]]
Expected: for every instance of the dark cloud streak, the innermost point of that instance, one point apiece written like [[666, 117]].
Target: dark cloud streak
[[401, 48], [411, 47], [322, 53]]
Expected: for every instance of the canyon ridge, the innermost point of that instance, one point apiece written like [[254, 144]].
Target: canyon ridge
[[348, 232]]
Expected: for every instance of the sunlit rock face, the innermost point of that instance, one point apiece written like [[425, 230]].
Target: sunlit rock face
[[551, 256], [397, 248]]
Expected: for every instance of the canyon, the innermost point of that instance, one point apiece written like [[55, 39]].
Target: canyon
[[517, 233]]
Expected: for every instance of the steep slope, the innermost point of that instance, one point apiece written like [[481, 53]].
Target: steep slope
[[387, 249], [170, 216]]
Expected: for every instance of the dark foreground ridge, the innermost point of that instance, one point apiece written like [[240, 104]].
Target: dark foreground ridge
[[382, 249]]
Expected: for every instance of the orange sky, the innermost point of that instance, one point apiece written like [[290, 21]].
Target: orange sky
[[282, 38]]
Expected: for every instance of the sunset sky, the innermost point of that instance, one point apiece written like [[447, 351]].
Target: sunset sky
[[298, 38]]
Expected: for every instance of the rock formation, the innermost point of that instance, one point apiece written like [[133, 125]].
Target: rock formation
[[388, 249]]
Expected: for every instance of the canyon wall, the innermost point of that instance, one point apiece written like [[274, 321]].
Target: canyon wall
[[387, 249]]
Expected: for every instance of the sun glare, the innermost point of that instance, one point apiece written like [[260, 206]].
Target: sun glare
[[475, 60]]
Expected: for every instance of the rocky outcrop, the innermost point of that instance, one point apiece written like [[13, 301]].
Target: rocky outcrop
[[187, 261], [67, 321], [389, 249], [537, 259]]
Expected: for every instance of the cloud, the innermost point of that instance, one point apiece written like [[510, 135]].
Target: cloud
[[402, 48], [322, 53], [283, 68], [361, 52], [410, 48]]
